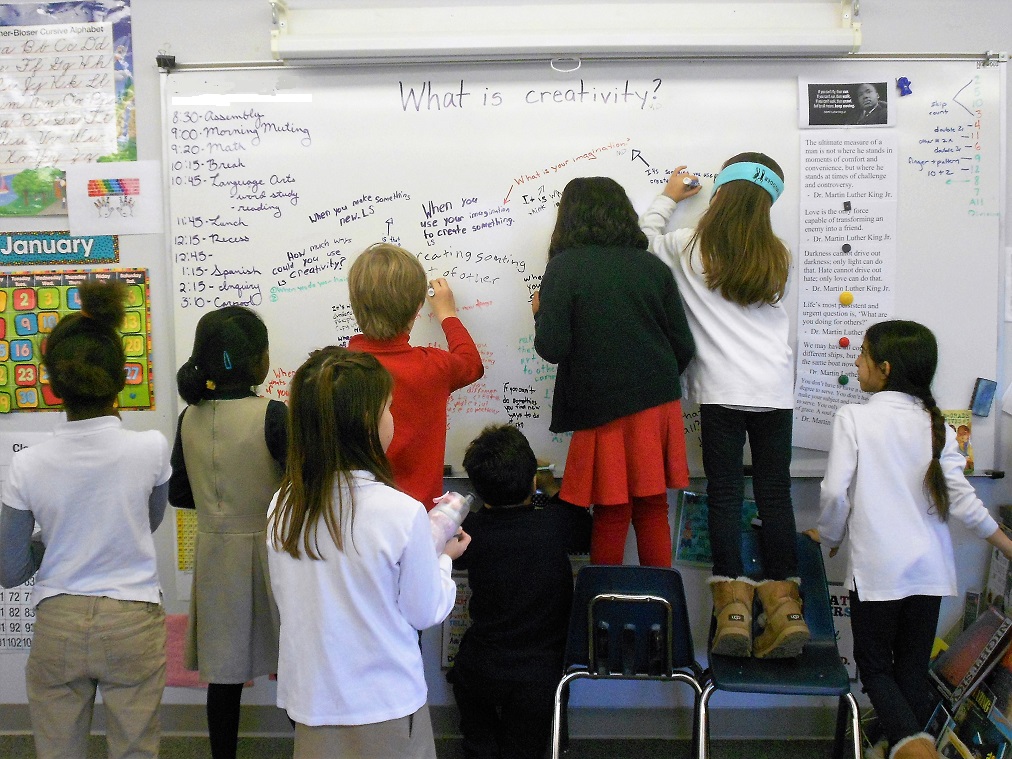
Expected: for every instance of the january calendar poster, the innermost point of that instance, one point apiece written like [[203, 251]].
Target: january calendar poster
[[31, 304]]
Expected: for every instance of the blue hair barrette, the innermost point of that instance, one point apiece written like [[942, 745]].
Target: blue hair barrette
[[228, 360], [755, 173]]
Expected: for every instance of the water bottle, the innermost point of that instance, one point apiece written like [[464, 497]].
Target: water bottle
[[446, 517]]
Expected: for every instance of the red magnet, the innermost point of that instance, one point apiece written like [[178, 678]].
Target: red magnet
[[844, 342]]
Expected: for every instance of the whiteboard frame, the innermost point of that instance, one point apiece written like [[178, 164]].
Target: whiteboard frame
[[811, 467]]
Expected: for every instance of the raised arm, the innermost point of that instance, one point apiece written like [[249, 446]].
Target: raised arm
[[465, 361]]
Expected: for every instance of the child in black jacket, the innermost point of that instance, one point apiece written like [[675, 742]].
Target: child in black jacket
[[521, 579]]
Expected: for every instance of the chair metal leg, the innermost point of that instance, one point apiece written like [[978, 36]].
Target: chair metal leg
[[697, 698], [848, 708], [557, 712], [703, 723]]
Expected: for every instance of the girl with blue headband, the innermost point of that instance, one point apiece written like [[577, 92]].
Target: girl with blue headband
[[732, 271]]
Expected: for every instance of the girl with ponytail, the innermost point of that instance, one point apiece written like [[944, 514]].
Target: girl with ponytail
[[227, 462], [893, 480]]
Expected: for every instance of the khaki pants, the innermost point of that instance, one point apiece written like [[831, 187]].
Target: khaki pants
[[84, 642], [406, 738]]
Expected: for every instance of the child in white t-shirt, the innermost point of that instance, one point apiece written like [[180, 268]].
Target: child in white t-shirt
[[97, 491]]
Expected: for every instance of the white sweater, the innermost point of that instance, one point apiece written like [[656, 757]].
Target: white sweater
[[873, 491], [349, 642], [743, 354]]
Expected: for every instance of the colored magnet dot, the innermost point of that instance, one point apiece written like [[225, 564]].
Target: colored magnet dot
[[844, 379], [846, 297], [844, 342], [846, 247]]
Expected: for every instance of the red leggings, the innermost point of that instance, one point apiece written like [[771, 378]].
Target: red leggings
[[649, 517]]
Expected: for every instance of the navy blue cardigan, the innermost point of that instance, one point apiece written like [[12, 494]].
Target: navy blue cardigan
[[612, 319]]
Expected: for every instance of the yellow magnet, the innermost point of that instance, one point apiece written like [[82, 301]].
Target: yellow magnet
[[846, 297]]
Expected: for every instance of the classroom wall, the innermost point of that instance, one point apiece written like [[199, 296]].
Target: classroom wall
[[238, 30]]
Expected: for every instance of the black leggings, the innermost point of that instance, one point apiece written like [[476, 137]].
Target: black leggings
[[223, 701]]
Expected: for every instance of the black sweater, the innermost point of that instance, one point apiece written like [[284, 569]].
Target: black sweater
[[612, 319], [521, 589]]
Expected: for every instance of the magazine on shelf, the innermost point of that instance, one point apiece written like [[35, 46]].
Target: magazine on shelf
[[969, 734], [998, 590], [961, 421], [692, 534], [964, 664], [994, 695]]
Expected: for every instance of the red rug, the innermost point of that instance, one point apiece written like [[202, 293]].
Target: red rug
[[176, 675]]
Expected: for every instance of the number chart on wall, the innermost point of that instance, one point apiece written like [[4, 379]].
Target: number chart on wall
[[280, 177], [33, 302], [17, 616]]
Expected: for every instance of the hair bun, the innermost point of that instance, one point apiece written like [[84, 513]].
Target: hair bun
[[103, 302]]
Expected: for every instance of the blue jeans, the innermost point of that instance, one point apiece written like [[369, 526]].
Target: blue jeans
[[892, 648], [769, 436]]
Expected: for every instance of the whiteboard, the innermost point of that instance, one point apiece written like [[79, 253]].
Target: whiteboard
[[279, 177]]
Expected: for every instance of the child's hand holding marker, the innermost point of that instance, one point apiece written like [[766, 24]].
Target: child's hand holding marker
[[440, 298], [681, 185]]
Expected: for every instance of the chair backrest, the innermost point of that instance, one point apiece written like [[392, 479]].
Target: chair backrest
[[817, 608], [629, 620]]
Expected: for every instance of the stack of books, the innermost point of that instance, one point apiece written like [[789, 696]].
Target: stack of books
[[974, 678]]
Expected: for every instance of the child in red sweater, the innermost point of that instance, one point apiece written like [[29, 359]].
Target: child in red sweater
[[387, 288]]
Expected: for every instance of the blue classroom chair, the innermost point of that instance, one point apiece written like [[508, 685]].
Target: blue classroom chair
[[629, 623], [817, 672]]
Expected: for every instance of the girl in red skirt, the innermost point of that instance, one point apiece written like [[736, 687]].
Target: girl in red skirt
[[610, 315]]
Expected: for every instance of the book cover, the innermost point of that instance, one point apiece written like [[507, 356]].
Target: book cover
[[996, 695], [998, 590], [972, 600], [958, 669], [970, 734], [961, 421], [940, 719], [692, 535]]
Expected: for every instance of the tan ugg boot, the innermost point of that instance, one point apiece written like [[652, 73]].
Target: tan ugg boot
[[786, 633], [920, 746], [732, 607]]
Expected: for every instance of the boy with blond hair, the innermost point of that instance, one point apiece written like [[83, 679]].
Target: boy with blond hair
[[387, 288]]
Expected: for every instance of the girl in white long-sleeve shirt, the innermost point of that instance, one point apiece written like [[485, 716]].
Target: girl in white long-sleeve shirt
[[353, 569], [732, 271], [893, 479]]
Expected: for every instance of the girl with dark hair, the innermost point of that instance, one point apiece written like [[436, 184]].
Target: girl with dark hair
[[893, 479], [610, 315], [732, 270], [97, 492], [353, 569], [227, 462]]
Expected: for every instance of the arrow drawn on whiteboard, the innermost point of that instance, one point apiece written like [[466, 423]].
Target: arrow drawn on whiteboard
[[390, 223], [955, 98], [634, 154], [507, 198]]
